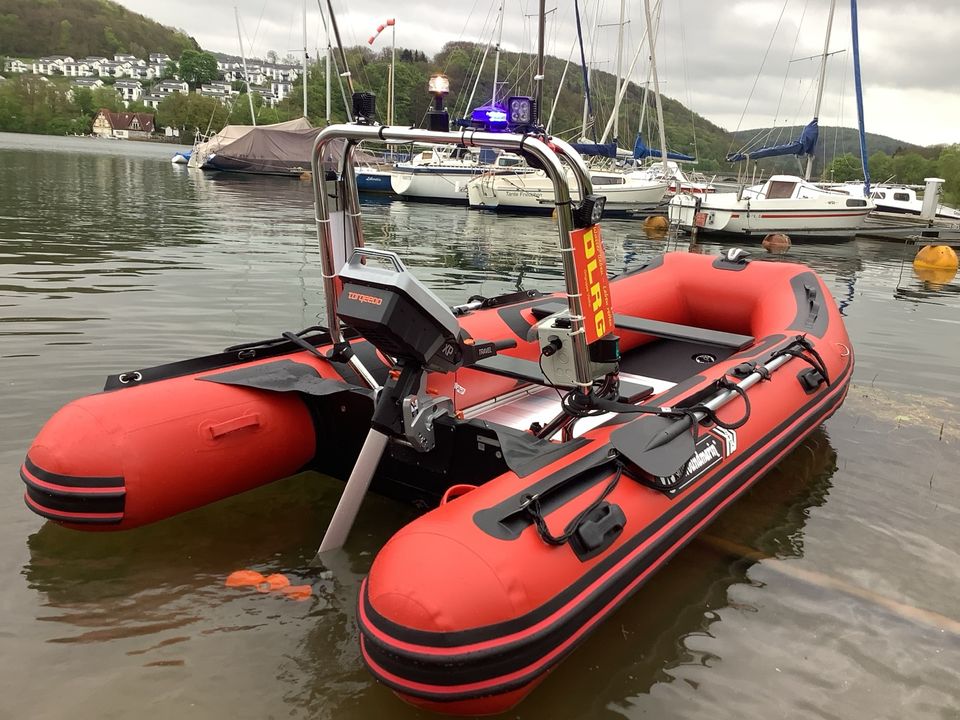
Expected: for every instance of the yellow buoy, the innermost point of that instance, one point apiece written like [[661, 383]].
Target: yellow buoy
[[936, 257], [306, 175], [655, 227], [656, 223], [776, 243]]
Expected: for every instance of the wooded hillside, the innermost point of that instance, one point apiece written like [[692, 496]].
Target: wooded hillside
[[34, 28]]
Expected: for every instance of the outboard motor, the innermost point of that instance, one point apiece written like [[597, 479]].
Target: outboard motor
[[411, 325]]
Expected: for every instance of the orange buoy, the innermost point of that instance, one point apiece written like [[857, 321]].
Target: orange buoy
[[274, 582], [936, 257], [298, 592], [776, 243], [656, 226], [244, 578]]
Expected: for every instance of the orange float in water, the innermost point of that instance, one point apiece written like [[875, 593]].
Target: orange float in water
[[245, 578], [298, 592], [274, 582]]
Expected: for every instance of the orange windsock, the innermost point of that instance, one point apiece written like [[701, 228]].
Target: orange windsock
[[380, 28]]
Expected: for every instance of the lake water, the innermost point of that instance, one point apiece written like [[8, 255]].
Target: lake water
[[831, 590]]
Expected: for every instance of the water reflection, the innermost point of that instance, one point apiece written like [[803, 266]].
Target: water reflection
[[97, 276]]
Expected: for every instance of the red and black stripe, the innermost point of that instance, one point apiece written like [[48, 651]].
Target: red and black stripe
[[73, 499]]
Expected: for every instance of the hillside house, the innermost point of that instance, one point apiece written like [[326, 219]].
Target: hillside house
[[51, 64], [130, 90], [88, 82], [13, 65], [123, 124]]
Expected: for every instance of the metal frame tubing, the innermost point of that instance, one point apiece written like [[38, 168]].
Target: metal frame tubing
[[548, 155]]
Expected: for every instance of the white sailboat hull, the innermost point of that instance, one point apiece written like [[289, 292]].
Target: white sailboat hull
[[826, 217], [534, 192], [444, 185]]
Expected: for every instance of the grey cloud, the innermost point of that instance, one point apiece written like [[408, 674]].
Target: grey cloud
[[907, 46]]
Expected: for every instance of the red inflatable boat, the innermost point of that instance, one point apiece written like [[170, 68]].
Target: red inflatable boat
[[565, 445]]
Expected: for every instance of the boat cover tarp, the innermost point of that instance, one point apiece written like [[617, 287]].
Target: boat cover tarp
[[232, 133], [803, 145], [641, 151], [276, 151]]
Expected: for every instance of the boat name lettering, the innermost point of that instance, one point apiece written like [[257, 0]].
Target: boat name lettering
[[702, 457]]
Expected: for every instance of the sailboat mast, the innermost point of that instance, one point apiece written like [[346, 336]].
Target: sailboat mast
[[587, 109], [243, 59], [393, 74], [616, 107], [856, 78], [343, 59], [626, 81], [304, 58], [496, 58], [326, 71], [538, 80], [823, 75], [652, 35]]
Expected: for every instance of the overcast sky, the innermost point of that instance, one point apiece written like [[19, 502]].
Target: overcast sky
[[709, 53]]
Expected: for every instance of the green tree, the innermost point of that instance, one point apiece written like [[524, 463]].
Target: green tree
[[844, 167], [112, 41], [190, 112], [83, 99], [881, 167], [169, 70], [948, 167], [65, 36], [106, 98], [912, 168], [240, 113], [197, 68]]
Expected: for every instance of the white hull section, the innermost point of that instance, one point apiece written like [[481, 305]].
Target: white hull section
[[533, 191], [724, 213], [427, 185]]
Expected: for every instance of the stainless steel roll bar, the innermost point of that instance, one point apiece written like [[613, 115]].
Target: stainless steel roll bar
[[547, 152]]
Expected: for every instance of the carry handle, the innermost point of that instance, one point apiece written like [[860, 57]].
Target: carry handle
[[361, 252]]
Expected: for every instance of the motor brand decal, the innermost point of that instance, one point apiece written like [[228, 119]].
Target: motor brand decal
[[360, 297], [591, 267]]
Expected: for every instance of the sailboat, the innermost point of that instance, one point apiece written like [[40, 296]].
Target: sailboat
[[281, 148], [626, 192], [786, 204]]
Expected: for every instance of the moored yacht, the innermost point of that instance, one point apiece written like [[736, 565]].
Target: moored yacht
[[442, 173], [783, 204], [533, 192]]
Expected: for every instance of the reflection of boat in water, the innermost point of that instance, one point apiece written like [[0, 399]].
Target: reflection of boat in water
[[573, 500]]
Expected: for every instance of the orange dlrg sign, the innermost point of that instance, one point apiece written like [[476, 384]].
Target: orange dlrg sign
[[591, 266]]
